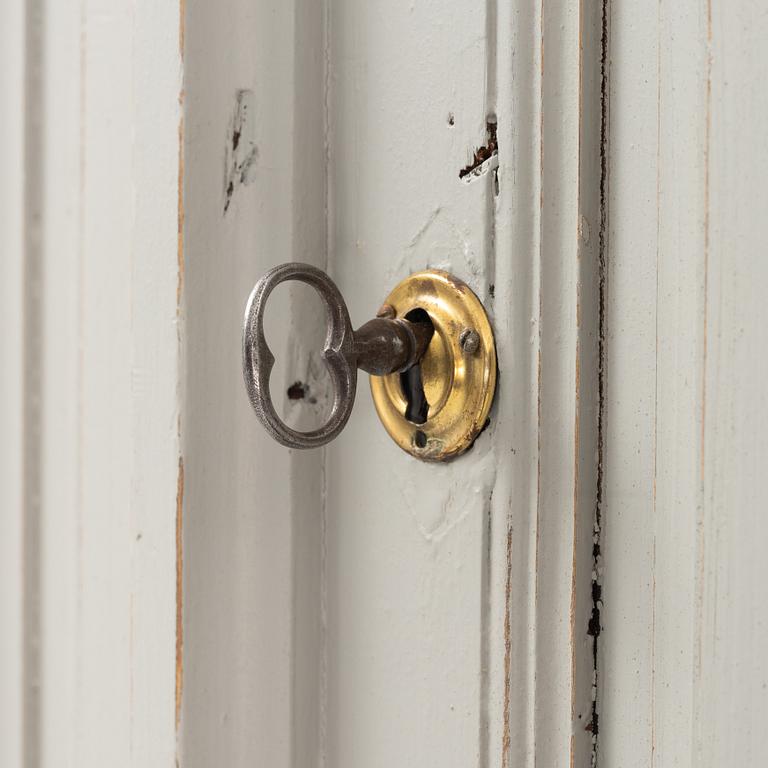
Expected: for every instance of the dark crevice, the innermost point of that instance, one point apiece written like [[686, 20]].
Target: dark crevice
[[241, 152], [488, 150], [417, 408], [595, 627], [413, 389]]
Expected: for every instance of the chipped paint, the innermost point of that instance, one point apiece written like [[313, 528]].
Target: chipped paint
[[241, 151], [486, 157]]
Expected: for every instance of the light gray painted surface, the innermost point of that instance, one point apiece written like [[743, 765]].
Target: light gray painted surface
[[353, 606], [176, 589], [89, 372], [683, 668]]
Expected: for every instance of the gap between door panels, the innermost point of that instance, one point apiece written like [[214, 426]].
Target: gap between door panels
[[595, 625]]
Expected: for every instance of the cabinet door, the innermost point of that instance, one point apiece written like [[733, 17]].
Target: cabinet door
[[682, 667], [355, 606], [585, 586]]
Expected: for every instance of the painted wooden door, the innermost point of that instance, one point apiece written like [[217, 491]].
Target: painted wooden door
[[353, 606], [584, 587]]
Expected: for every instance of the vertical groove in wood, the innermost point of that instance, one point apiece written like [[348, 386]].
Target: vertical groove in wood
[[601, 273], [550, 717], [33, 373], [311, 156], [180, 257], [589, 376], [568, 323], [512, 607], [491, 711]]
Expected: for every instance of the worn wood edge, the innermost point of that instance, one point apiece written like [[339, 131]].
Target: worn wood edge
[[526, 536]]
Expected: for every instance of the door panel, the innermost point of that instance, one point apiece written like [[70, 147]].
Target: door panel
[[89, 372], [585, 586], [406, 543], [353, 606], [682, 667]]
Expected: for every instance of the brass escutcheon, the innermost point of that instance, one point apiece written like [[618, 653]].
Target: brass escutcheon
[[458, 370]]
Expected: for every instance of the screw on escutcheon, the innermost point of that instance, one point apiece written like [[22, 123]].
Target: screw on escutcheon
[[469, 341]]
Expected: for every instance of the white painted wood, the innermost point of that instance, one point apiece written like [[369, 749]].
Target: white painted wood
[[252, 510], [406, 540], [413, 534], [90, 372], [682, 666], [733, 588], [168, 573], [354, 607], [11, 384], [627, 511]]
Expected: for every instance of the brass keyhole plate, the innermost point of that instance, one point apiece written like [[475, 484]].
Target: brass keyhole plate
[[458, 370]]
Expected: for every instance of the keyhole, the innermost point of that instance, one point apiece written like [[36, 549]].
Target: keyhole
[[417, 408]]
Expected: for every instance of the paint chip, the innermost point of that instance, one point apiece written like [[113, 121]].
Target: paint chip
[[241, 151], [482, 155]]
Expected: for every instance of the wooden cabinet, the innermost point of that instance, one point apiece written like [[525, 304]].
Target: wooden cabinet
[[586, 586]]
